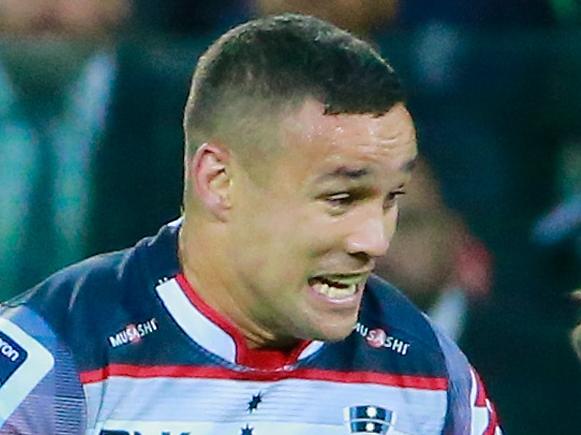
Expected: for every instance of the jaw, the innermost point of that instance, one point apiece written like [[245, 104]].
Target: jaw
[[332, 327], [322, 317]]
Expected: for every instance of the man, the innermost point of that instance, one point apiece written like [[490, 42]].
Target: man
[[256, 313]]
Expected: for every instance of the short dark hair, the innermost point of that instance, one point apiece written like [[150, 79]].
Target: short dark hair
[[277, 61]]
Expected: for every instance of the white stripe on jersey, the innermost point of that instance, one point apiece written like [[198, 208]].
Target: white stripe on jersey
[[195, 324], [481, 415], [213, 405], [201, 428], [201, 329]]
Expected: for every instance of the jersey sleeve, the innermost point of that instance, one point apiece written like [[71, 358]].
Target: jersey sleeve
[[40, 391], [484, 420], [469, 409]]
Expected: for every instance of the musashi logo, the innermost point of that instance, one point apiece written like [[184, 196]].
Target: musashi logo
[[133, 333], [379, 338]]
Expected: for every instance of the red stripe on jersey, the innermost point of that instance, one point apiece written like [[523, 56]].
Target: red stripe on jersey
[[480, 391], [134, 371], [493, 420], [265, 358]]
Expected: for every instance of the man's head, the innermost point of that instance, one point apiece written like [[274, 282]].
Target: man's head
[[261, 71], [297, 145]]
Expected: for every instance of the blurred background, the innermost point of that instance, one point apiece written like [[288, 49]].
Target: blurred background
[[489, 244]]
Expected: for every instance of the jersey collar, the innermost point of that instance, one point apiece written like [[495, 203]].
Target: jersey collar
[[218, 335]]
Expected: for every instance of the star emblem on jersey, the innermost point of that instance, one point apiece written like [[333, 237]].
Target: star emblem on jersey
[[368, 419], [253, 404], [247, 430]]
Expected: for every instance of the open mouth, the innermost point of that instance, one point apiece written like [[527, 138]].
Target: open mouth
[[338, 286]]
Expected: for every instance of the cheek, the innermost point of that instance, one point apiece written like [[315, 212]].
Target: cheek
[[272, 242], [323, 233]]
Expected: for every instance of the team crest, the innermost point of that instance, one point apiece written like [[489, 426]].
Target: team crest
[[369, 419]]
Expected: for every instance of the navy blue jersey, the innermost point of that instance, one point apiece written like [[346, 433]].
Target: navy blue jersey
[[121, 344]]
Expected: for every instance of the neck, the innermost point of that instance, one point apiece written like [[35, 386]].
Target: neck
[[207, 268]]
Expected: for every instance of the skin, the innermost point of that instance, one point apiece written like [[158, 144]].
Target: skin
[[329, 207]]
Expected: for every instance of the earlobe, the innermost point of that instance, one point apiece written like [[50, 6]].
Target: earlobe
[[210, 174]]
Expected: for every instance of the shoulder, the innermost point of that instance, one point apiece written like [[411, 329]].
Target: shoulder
[[58, 317], [62, 296], [85, 303], [432, 353], [385, 305], [429, 351], [52, 334]]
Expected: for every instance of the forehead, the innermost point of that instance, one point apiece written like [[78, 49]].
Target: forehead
[[349, 146]]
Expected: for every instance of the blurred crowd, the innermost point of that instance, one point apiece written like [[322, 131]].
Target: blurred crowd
[[489, 241]]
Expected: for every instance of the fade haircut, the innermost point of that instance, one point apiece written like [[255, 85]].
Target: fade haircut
[[260, 70]]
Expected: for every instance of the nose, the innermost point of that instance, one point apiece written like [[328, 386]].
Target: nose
[[371, 237]]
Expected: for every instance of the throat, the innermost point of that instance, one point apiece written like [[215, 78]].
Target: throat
[[231, 309], [253, 347]]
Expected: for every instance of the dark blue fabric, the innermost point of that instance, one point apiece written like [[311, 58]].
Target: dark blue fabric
[[57, 404]]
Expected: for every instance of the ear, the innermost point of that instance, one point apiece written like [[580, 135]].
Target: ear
[[210, 172]]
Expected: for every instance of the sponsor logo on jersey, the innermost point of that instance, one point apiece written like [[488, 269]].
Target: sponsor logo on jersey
[[11, 357], [24, 362], [378, 338], [369, 419], [133, 333]]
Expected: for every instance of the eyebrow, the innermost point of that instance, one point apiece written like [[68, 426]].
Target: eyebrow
[[346, 173], [353, 174]]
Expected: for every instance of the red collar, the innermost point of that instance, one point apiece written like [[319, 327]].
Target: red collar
[[219, 335]]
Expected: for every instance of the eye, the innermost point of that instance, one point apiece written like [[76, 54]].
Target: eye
[[339, 202], [391, 198], [340, 199]]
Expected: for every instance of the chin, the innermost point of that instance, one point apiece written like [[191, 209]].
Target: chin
[[337, 337], [336, 333]]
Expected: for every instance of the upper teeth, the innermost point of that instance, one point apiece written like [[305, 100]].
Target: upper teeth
[[352, 285], [346, 280]]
